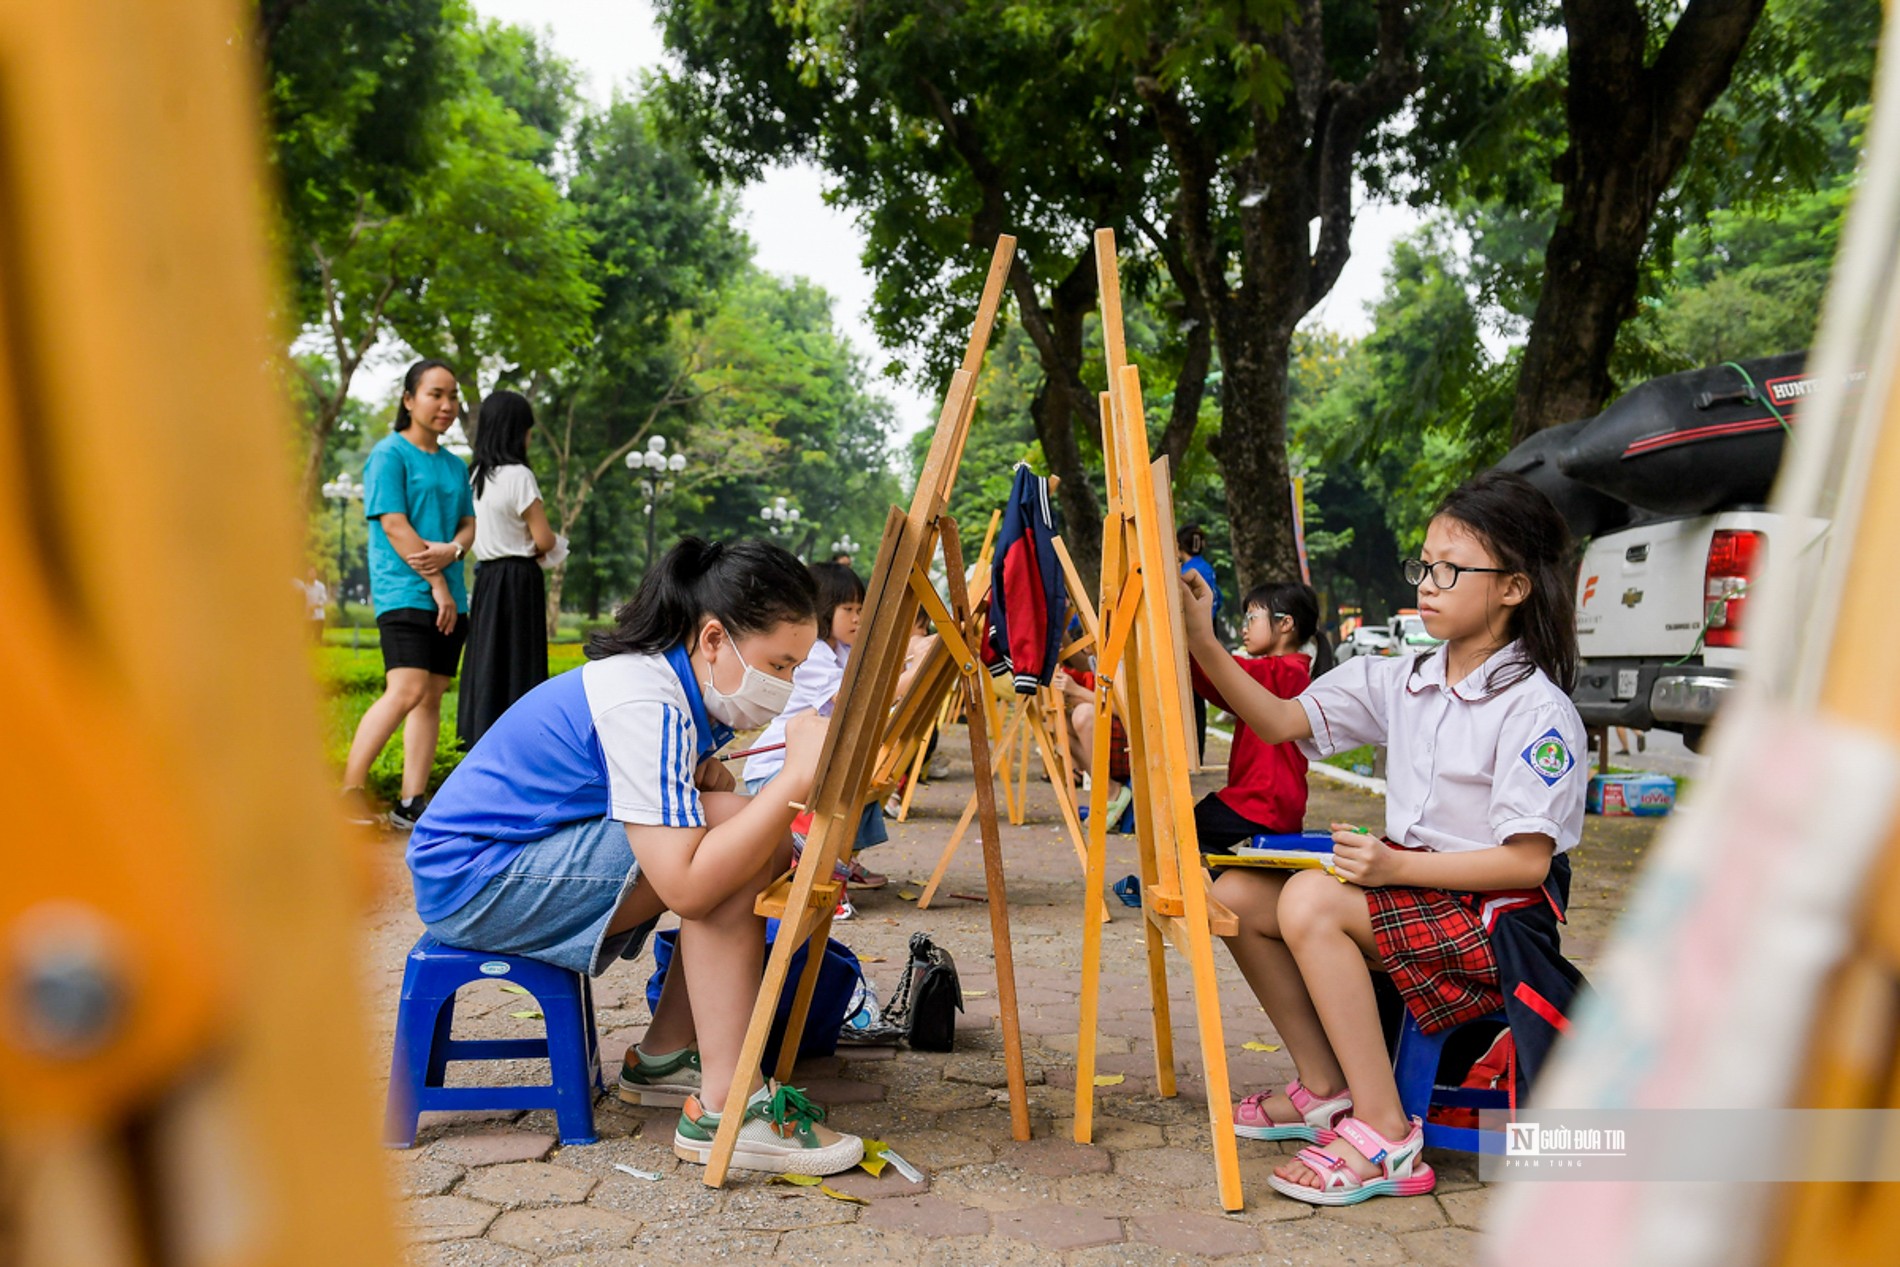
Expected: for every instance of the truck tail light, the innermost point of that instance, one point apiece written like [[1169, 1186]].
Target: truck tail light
[[1733, 556]]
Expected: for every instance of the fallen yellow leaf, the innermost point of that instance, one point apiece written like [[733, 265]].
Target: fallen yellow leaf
[[836, 1195], [527, 1016], [1251, 1046], [909, 895], [800, 1181], [873, 1163], [976, 994], [515, 989], [1110, 1079]]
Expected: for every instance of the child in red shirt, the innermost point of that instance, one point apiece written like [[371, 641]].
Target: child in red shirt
[[1266, 783]]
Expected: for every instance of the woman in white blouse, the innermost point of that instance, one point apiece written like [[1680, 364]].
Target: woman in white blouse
[[507, 620]]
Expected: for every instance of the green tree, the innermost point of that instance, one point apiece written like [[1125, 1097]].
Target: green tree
[[496, 277], [941, 129]]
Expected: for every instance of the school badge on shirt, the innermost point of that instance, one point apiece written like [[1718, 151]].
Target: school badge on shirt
[[1550, 757]]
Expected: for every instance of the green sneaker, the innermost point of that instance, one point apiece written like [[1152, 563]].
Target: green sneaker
[[781, 1133], [660, 1081]]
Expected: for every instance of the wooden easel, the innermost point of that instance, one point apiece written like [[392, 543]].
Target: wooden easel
[[1040, 720], [1139, 673], [805, 900], [924, 709]]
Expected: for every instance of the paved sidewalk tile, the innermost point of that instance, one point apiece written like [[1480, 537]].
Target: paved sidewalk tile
[[1061, 1227]]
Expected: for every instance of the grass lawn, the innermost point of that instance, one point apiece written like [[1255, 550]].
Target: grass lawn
[[351, 680]]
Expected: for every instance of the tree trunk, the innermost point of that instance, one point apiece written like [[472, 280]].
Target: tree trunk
[[1062, 402], [1631, 121], [1252, 449], [1590, 275], [557, 577]]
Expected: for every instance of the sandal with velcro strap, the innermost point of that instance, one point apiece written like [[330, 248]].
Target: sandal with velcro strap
[[1319, 1118], [1401, 1171]]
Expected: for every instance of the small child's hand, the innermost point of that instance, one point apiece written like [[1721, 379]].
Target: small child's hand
[[1197, 606], [804, 742], [1361, 858]]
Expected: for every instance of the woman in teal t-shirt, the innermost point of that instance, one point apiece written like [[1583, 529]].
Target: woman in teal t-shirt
[[421, 522]]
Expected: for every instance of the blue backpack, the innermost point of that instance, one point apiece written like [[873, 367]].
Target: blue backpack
[[831, 1002]]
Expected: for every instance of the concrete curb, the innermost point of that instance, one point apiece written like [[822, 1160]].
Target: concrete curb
[[1337, 775]]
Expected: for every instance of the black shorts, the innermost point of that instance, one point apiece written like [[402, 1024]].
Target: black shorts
[[411, 641], [1220, 828]]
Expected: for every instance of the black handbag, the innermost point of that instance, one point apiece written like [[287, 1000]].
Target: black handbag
[[928, 998]]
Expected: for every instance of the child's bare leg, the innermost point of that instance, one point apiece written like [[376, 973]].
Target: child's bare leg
[[1269, 967], [725, 945], [672, 1025], [1329, 930], [1082, 735]]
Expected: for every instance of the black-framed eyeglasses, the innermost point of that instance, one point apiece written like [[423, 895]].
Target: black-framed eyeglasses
[[1444, 573]]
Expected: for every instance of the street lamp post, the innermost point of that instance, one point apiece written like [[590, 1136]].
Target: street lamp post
[[845, 546], [343, 490], [656, 460]]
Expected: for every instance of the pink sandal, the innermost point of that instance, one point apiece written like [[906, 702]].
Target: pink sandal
[[1321, 1117], [1402, 1172]]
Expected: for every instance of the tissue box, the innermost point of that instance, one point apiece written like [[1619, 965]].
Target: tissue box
[[1638, 795]]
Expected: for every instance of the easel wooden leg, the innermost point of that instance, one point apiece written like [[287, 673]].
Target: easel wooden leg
[[1094, 915], [970, 806], [993, 878]]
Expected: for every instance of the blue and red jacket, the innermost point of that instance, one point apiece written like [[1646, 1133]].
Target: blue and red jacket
[[1027, 596]]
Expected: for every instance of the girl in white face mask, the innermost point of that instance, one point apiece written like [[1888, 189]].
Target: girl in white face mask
[[595, 804], [814, 688]]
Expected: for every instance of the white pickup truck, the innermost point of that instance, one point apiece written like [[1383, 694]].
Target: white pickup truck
[[1667, 487], [1662, 615]]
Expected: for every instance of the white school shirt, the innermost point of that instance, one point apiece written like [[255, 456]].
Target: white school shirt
[[814, 684], [500, 530], [1466, 767]]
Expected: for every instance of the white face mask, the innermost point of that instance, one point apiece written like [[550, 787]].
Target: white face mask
[[759, 699]]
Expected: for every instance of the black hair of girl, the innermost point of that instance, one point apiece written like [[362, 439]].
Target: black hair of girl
[[1523, 531], [411, 381], [501, 435], [1295, 599], [1191, 539], [837, 585], [750, 586]]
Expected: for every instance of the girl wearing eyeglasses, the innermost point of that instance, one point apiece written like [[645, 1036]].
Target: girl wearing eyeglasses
[[1460, 901], [1266, 783]]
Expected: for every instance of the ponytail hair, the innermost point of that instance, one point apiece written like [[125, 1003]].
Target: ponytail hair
[[1297, 600], [837, 585], [413, 380], [1524, 532], [749, 586], [1191, 539]]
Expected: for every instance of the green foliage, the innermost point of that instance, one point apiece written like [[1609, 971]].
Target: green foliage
[[351, 86], [493, 261]]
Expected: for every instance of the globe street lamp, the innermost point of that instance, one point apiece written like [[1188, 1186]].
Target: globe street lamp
[[343, 490], [845, 547], [655, 459], [780, 519]]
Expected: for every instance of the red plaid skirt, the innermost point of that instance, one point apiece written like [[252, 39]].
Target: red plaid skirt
[[1436, 950]]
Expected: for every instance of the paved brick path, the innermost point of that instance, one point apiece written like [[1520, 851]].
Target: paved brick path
[[496, 1190]]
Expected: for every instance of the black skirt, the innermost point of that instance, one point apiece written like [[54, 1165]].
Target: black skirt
[[507, 652]]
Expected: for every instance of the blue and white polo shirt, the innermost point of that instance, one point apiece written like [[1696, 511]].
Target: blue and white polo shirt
[[617, 738]]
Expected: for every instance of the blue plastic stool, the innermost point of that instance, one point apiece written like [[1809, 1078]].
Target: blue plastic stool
[[424, 1048], [1415, 1067]]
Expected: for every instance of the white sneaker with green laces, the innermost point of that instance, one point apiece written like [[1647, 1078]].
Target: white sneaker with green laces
[[781, 1132], [664, 1082]]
